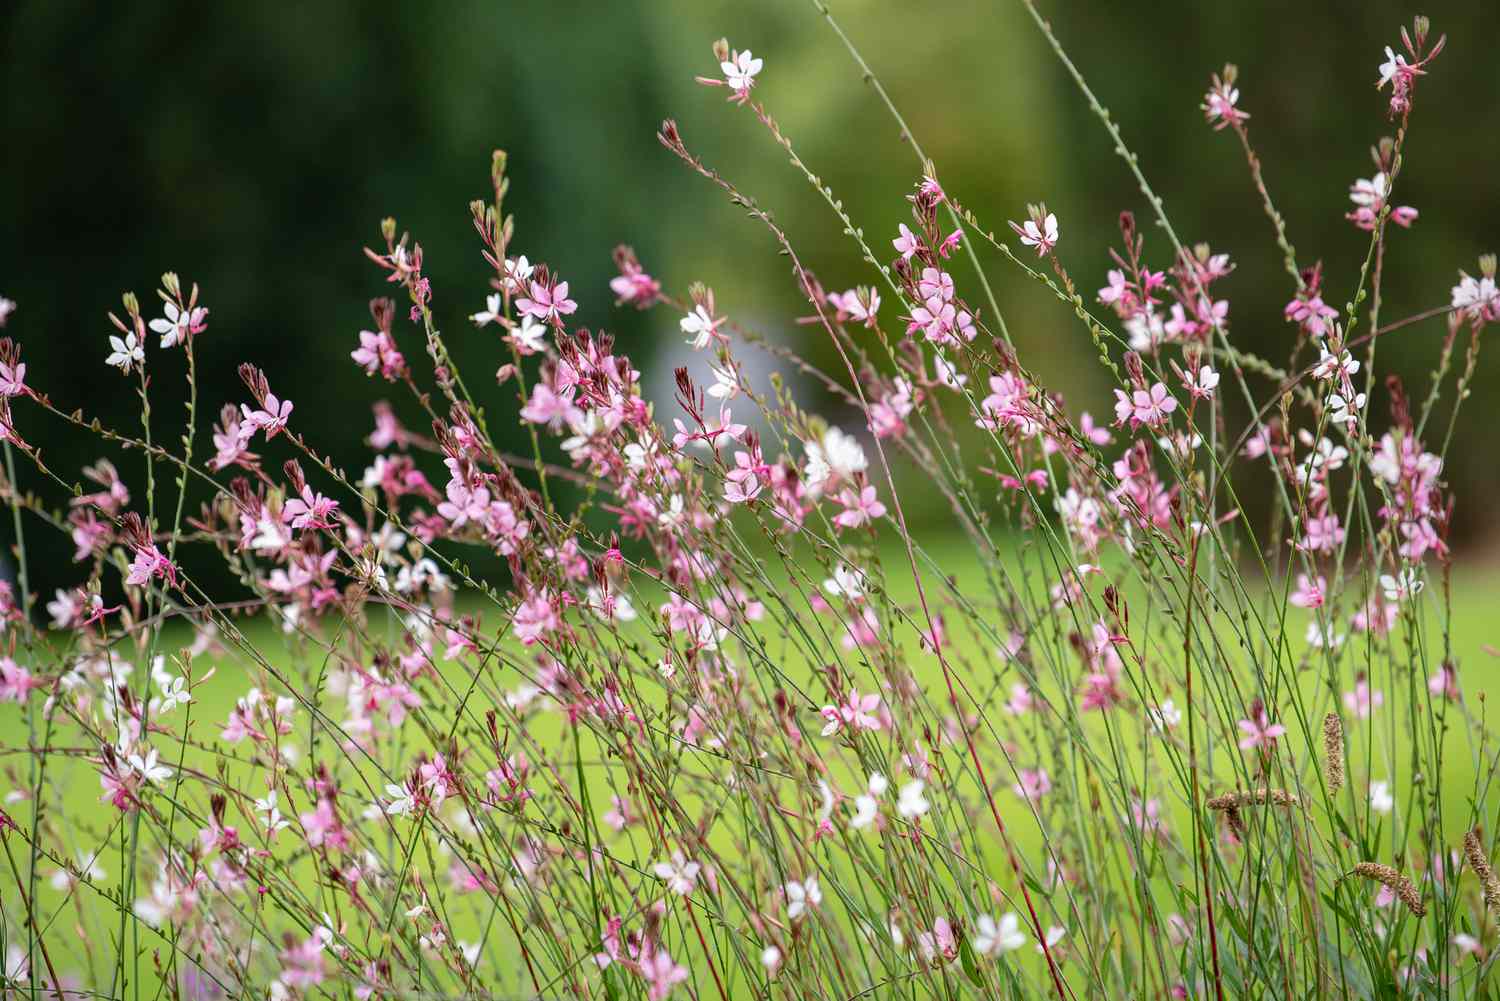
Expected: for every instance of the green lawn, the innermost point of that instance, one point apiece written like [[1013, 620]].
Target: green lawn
[[83, 924]]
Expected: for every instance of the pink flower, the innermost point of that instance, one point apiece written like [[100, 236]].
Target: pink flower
[[1148, 407], [548, 304], [1322, 534], [680, 874], [632, 284], [302, 964], [13, 379], [859, 508], [1369, 198], [1117, 289], [855, 712], [859, 304], [535, 618], [148, 563], [464, 504], [1094, 433], [619, 816], [1444, 683], [935, 284], [271, 418], [1312, 314], [1219, 103], [1020, 702], [936, 319], [1147, 817], [322, 826], [1362, 699], [1309, 593], [743, 483], [940, 944], [547, 406], [907, 243], [16, 681], [1259, 730], [1032, 785], [310, 510], [377, 352], [657, 967], [1040, 231]]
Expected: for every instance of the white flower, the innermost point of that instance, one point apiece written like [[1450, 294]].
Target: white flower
[[680, 874], [1344, 410], [17, 966], [801, 896], [173, 328], [947, 373], [1054, 936], [1368, 194], [490, 313], [726, 383], [1043, 237], [1388, 69], [173, 693], [88, 866], [845, 454], [1206, 382], [148, 767], [1330, 365], [817, 470], [1473, 295], [1407, 584], [270, 535], [826, 795], [1381, 800], [529, 337], [517, 271], [770, 958], [1146, 330], [846, 582], [637, 454], [867, 805], [1325, 456], [739, 73], [614, 605], [699, 326], [125, 353], [992, 939], [1320, 638], [1165, 717], [674, 514], [274, 821], [401, 804], [911, 803]]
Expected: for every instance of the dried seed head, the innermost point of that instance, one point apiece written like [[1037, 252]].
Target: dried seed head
[[1236, 823], [1232, 801], [1405, 889], [1490, 884], [1333, 752]]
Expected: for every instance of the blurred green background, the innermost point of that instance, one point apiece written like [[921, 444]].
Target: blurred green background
[[253, 148]]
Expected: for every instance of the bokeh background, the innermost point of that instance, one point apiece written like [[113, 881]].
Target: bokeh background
[[254, 147]]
